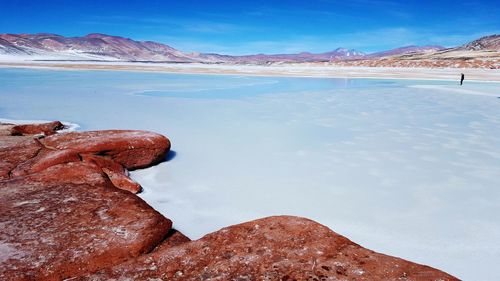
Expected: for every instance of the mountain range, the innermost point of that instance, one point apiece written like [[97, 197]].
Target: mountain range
[[102, 47]]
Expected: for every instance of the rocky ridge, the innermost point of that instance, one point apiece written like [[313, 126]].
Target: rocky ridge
[[68, 211], [102, 47], [94, 46], [481, 53]]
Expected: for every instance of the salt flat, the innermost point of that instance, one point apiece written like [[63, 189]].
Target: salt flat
[[321, 70], [404, 167]]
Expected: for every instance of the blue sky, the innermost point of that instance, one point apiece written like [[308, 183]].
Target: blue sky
[[237, 27]]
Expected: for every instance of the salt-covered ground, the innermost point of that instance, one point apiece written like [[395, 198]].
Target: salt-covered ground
[[321, 70], [406, 168]]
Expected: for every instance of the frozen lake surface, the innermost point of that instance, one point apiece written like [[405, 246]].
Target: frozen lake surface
[[404, 167]]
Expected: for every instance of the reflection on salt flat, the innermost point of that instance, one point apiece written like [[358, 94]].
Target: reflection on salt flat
[[407, 168]]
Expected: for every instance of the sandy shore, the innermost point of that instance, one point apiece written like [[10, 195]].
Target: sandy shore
[[294, 70]]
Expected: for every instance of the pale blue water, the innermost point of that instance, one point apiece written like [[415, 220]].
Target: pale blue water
[[405, 167]]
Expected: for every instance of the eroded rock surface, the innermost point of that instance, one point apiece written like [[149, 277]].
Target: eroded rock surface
[[274, 248], [53, 230], [113, 152], [61, 214], [132, 149]]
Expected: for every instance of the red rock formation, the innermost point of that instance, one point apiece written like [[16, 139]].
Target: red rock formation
[[60, 213], [274, 248], [132, 149], [52, 231], [33, 129], [108, 153], [62, 217]]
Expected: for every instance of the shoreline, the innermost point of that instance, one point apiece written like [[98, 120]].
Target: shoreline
[[299, 71], [66, 190]]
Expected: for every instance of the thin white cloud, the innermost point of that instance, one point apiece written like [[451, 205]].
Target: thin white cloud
[[366, 41], [180, 24], [215, 36]]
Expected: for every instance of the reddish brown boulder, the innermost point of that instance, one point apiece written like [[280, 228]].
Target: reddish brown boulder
[[52, 231], [33, 129], [112, 151], [17, 163], [60, 213], [6, 139], [17, 150], [274, 248], [114, 171], [132, 149]]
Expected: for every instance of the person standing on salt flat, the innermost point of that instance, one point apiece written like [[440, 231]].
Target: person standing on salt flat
[[462, 77]]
